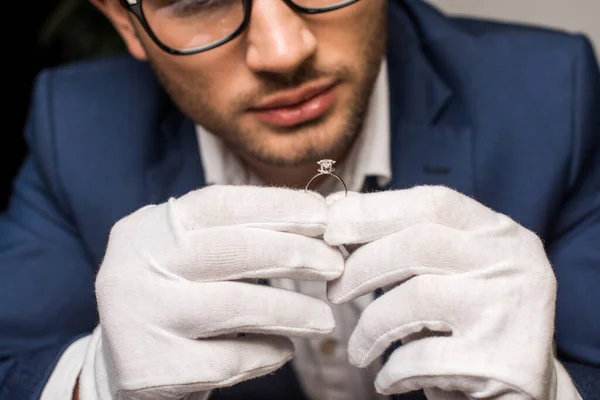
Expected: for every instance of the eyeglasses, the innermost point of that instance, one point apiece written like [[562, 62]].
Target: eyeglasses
[[184, 27]]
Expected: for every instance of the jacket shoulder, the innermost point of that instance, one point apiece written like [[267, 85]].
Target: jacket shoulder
[[86, 102], [114, 83], [117, 67], [534, 38]]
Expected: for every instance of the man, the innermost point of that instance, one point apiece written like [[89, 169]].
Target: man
[[461, 263]]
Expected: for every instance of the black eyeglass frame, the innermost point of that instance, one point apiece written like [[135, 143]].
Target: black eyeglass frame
[[135, 7]]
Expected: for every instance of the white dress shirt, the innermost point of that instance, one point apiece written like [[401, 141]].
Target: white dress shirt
[[322, 366]]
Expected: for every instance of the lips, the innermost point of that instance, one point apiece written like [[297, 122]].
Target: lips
[[296, 106]]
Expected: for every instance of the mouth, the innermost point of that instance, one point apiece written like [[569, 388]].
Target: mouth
[[296, 106]]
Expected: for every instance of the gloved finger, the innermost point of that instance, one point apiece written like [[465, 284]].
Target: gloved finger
[[424, 248], [227, 253], [427, 302], [201, 310], [174, 367], [361, 219], [332, 198], [438, 365], [242, 358], [276, 208]]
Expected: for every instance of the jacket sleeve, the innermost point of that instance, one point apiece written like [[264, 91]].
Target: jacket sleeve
[[574, 249], [46, 278]]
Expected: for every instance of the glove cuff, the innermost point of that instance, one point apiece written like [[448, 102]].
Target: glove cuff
[[94, 382], [565, 387]]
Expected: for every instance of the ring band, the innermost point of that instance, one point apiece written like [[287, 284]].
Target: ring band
[[326, 168]]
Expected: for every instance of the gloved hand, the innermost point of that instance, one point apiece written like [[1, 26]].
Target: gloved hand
[[468, 292], [178, 285]]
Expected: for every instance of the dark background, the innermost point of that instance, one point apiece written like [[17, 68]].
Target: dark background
[[49, 33]]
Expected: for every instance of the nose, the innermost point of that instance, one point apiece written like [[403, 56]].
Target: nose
[[279, 40]]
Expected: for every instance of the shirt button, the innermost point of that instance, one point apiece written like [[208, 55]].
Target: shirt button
[[328, 346]]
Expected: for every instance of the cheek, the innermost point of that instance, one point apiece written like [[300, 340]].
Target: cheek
[[350, 36], [213, 79]]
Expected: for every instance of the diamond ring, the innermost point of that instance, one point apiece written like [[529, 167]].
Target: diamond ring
[[326, 168]]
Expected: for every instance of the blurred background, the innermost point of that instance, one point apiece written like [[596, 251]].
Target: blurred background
[[53, 32], [573, 15]]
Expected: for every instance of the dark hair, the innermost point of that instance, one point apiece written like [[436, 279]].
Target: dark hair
[[75, 29]]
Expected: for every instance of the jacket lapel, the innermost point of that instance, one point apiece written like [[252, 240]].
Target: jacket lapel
[[177, 167], [431, 140]]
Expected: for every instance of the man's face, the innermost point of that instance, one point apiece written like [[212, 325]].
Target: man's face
[[292, 89]]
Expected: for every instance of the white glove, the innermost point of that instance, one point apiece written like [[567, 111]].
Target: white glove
[[176, 287], [468, 291]]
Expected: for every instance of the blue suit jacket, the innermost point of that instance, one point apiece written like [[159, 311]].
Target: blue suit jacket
[[509, 115]]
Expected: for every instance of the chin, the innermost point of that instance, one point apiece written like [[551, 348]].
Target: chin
[[301, 147]]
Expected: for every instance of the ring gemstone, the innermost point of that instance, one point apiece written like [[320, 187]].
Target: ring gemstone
[[326, 166]]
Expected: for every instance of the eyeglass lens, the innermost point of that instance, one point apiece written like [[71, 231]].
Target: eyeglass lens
[[194, 24]]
